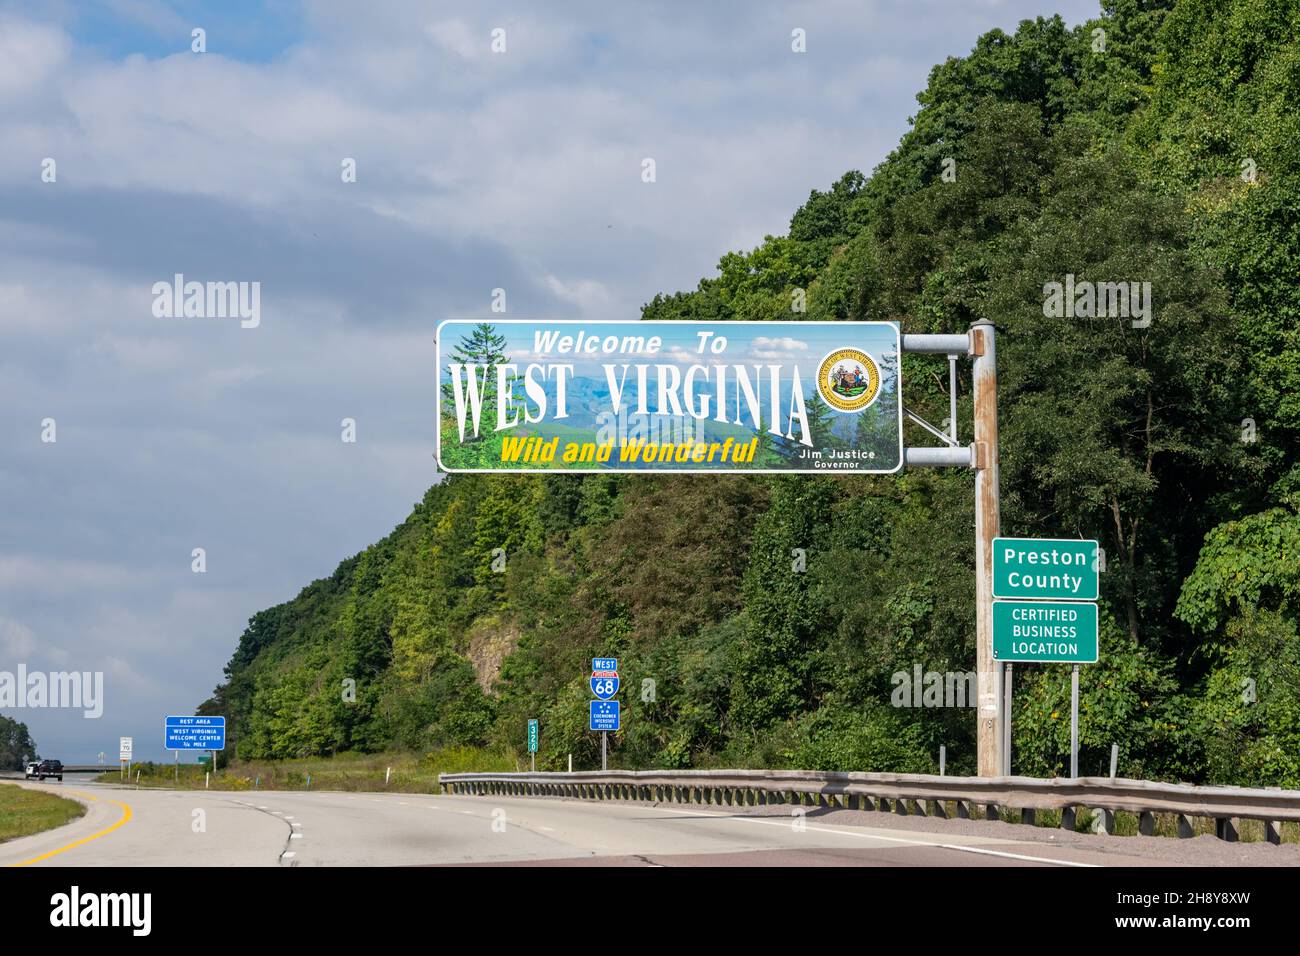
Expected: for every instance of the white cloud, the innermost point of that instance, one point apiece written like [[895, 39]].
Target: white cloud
[[29, 54], [784, 343], [17, 642]]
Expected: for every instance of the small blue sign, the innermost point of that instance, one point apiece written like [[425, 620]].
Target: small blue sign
[[604, 715], [604, 663], [195, 733], [604, 687]]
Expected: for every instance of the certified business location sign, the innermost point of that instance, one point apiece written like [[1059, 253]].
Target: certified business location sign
[[1045, 569], [1045, 631], [195, 733], [659, 396]]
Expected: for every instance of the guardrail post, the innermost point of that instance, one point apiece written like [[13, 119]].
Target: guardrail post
[[939, 810], [1185, 828], [1273, 832], [1027, 816], [900, 807], [991, 812], [1103, 822], [963, 810], [1069, 817], [1146, 823], [1225, 828]]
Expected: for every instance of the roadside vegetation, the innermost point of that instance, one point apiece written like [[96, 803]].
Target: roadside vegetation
[[411, 773], [24, 812]]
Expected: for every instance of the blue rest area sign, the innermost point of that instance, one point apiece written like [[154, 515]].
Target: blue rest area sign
[[604, 715], [195, 733]]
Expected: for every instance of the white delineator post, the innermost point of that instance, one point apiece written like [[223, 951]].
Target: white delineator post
[[991, 760], [1074, 723]]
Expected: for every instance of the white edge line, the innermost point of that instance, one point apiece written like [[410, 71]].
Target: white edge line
[[875, 836]]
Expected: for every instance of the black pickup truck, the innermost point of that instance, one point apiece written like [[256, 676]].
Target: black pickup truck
[[46, 768]]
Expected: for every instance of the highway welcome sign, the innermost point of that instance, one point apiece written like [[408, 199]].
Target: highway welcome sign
[[634, 396]]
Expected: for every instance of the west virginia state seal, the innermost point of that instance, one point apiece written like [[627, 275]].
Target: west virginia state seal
[[848, 380]]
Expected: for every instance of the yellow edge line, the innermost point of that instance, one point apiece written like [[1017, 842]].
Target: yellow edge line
[[126, 816]]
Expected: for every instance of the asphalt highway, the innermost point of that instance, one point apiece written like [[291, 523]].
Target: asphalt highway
[[127, 827]]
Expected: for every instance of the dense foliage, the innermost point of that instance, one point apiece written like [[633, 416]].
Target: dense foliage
[[760, 620], [16, 744]]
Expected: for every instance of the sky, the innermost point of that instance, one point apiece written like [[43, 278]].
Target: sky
[[475, 170]]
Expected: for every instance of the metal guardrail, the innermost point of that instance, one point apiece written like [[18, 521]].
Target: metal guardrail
[[910, 794]]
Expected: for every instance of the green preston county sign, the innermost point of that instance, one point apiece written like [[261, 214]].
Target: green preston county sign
[[1051, 631], [1050, 569]]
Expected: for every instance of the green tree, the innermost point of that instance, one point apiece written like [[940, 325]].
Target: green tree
[[16, 744]]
